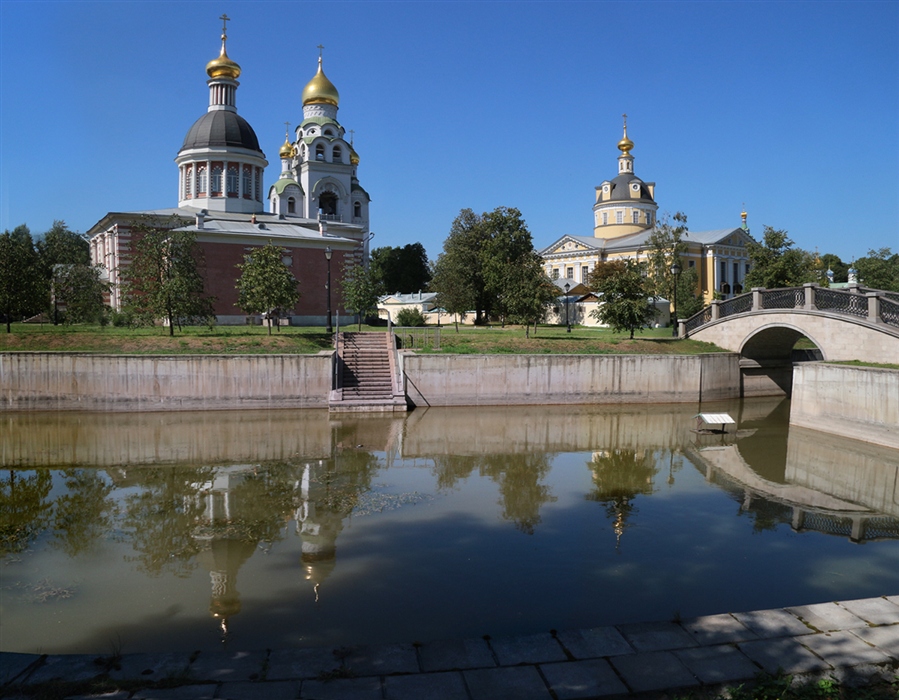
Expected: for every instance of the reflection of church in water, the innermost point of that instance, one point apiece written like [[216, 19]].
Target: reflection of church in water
[[238, 518]]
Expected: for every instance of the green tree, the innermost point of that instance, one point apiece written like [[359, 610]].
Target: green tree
[[79, 290], [776, 263], [21, 279], [527, 292], [266, 284], [458, 274], [627, 295], [479, 256], [879, 270], [60, 246], [667, 248], [403, 270], [360, 290], [508, 259], [165, 280]]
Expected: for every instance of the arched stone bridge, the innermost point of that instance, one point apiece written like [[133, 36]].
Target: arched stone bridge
[[764, 325]]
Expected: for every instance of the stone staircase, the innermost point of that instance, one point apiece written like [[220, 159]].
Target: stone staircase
[[366, 376]]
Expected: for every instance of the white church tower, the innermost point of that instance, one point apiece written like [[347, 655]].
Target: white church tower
[[318, 171], [220, 164]]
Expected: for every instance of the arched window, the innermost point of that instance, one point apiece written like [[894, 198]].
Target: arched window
[[247, 184], [232, 180], [320, 152], [291, 205], [201, 181], [328, 132], [337, 155], [188, 182], [357, 210], [215, 183], [327, 202]]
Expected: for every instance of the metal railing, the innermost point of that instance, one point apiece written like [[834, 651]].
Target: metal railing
[[417, 337]]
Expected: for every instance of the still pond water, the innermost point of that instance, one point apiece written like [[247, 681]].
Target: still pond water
[[265, 529]]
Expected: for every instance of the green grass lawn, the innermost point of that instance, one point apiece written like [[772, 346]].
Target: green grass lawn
[[306, 340]]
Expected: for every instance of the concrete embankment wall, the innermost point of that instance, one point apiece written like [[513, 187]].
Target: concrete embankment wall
[[855, 402], [484, 380], [66, 381]]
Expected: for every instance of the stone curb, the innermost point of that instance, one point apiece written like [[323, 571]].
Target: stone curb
[[850, 641]]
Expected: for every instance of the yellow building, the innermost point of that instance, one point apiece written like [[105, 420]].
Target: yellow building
[[624, 216]]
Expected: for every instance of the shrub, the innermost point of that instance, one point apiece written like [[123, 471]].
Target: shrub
[[410, 317]]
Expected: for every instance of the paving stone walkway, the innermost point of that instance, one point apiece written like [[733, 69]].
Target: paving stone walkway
[[851, 641]]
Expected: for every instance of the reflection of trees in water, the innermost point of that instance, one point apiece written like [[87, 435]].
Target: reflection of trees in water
[[619, 476], [85, 513], [25, 510], [518, 476], [160, 518]]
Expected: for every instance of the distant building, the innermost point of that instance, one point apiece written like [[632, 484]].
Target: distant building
[[317, 203], [624, 216]]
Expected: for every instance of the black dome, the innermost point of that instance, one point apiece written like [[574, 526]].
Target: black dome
[[221, 128], [621, 184]]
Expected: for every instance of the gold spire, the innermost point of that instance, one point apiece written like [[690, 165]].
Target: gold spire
[[223, 67], [320, 90], [625, 144]]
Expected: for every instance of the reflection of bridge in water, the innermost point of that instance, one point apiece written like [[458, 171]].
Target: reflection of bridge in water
[[821, 487]]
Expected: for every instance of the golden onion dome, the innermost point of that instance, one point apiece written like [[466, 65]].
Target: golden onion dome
[[223, 67], [354, 157], [287, 149], [320, 90], [625, 144]]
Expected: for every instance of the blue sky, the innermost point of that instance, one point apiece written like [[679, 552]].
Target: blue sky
[[790, 107]]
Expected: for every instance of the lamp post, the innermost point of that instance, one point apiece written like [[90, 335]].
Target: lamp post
[[567, 320], [675, 271], [328, 253]]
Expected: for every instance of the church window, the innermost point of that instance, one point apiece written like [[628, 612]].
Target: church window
[[649, 218], [585, 273], [201, 181], [303, 151], [569, 273], [636, 217], [188, 181], [327, 202], [328, 132], [605, 218], [291, 205], [555, 273], [247, 184], [357, 210], [320, 152], [215, 182], [337, 155], [619, 217], [691, 263], [232, 180]]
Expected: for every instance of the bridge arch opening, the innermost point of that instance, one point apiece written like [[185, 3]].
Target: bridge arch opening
[[767, 357]]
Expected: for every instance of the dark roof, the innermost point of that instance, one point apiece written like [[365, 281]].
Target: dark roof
[[621, 185], [221, 128]]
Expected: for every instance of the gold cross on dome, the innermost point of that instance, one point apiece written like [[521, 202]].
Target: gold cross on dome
[[320, 49], [225, 19]]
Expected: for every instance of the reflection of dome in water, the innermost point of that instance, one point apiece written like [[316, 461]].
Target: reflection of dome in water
[[223, 559]]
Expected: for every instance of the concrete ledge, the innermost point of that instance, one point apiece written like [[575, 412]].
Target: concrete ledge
[[494, 380], [854, 402], [85, 382]]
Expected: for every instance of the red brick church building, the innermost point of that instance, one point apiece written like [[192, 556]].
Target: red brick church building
[[316, 208]]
